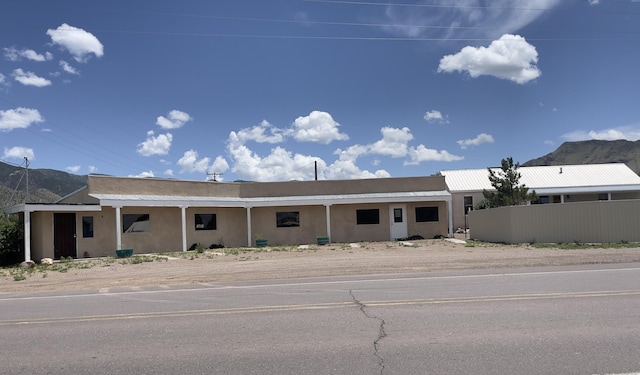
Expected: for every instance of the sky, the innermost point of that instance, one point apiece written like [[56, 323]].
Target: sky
[[276, 90]]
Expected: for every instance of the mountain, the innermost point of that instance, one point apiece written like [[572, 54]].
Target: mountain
[[45, 185], [592, 152]]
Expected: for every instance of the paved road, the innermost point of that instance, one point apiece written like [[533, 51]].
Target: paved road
[[571, 320]]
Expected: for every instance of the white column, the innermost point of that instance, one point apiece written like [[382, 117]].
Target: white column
[[450, 215], [183, 210], [27, 235], [249, 243], [327, 208], [118, 229]]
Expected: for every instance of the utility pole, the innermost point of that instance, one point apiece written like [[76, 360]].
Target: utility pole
[[215, 176], [26, 170]]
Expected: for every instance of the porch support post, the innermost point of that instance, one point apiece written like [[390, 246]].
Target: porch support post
[[327, 208], [27, 235], [118, 229], [249, 227], [450, 216], [183, 210]]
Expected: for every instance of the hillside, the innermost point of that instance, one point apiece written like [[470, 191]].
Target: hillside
[[45, 185], [593, 152]]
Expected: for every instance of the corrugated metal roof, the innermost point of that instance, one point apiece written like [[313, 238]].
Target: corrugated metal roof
[[557, 177], [163, 201]]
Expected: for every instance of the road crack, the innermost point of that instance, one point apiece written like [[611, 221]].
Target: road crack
[[381, 330]]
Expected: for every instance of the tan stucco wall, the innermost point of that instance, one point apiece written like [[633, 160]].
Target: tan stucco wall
[[457, 205], [231, 227], [312, 224], [428, 229], [79, 197], [345, 229], [103, 242], [165, 231], [144, 186]]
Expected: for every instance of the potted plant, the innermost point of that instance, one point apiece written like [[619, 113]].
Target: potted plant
[[323, 240], [261, 242]]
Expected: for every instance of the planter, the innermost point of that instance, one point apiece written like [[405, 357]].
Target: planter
[[323, 240], [261, 242], [124, 253]]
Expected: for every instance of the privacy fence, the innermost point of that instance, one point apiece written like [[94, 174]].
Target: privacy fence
[[584, 222]]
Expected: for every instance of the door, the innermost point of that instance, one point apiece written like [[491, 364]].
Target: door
[[398, 220], [64, 235]]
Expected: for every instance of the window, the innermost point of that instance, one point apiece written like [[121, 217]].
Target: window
[[87, 226], [370, 216], [397, 215], [468, 204], [288, 219], [603, 197], [134, 223], [425, 214], [205, 221]]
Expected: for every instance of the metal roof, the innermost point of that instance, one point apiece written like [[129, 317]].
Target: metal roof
[[178, 201], [557, 178]]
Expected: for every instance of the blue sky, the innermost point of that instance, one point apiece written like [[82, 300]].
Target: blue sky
[[261, 90]]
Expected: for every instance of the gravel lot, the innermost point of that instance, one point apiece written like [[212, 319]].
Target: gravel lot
[[312, 261]]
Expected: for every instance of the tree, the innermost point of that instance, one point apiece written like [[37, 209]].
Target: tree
[[11, 240], [508, 190]]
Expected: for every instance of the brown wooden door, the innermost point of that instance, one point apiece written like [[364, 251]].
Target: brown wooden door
[[64, 235]]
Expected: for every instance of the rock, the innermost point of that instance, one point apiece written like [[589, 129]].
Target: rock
[[28, 264], [46, 261]]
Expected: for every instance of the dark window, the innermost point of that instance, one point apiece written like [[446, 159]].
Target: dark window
[[87, 226], [134, 223], [397, 215], [424, 214], [371, 216], [288, 219], [205, 221], [468, 204], [603, 197]]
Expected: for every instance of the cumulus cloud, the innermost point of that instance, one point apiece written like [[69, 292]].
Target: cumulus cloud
[[155, 145], [489, 19], [19, 118], [317, 127], [393, 143], [477, 141], [174, 120], [219, 165], [509, 57], [13, 54], [436, 116], [66, 67], [626, 133], [261, 133], [18, 153], [73, 168], [190, 163], [422, 154], [3, 81], [81, 44], [347, 169], [92, 169], [30, 78], [144, 174]]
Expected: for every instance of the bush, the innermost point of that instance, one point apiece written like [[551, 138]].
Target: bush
[[11, 241]]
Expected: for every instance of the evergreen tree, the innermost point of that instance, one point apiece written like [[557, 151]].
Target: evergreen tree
[[508, 190]]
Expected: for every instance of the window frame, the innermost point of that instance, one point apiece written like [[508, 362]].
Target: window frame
[[212, 222], [87, 227], [424, 217], [287, 219], [127, 219], [365, 216]]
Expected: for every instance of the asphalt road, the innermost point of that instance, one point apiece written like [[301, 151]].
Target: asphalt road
[[570, 320]]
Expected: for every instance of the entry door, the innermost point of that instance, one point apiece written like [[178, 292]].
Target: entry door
[[64, 235], [398, 220]]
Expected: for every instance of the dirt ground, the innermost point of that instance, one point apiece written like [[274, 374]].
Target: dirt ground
[[312, 261]]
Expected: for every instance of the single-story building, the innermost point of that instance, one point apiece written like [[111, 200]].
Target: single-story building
[[161, 215], [552, 184]]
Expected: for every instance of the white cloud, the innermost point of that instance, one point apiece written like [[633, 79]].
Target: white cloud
[[174, 120], [489, 19], [68, 68], [393, 143], [19, 118], [219, 165], [30, 78], [421, 154], [159, 145], [509, 57], [262, 133], [436, 116], [347, 169], [190, 163], [13, 54], [478, 140], [168, 172], [18, 153], [92, 169], [81, 44], [144, 174], [317, 127], [627, 133], [73, 168], [3, 81]]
